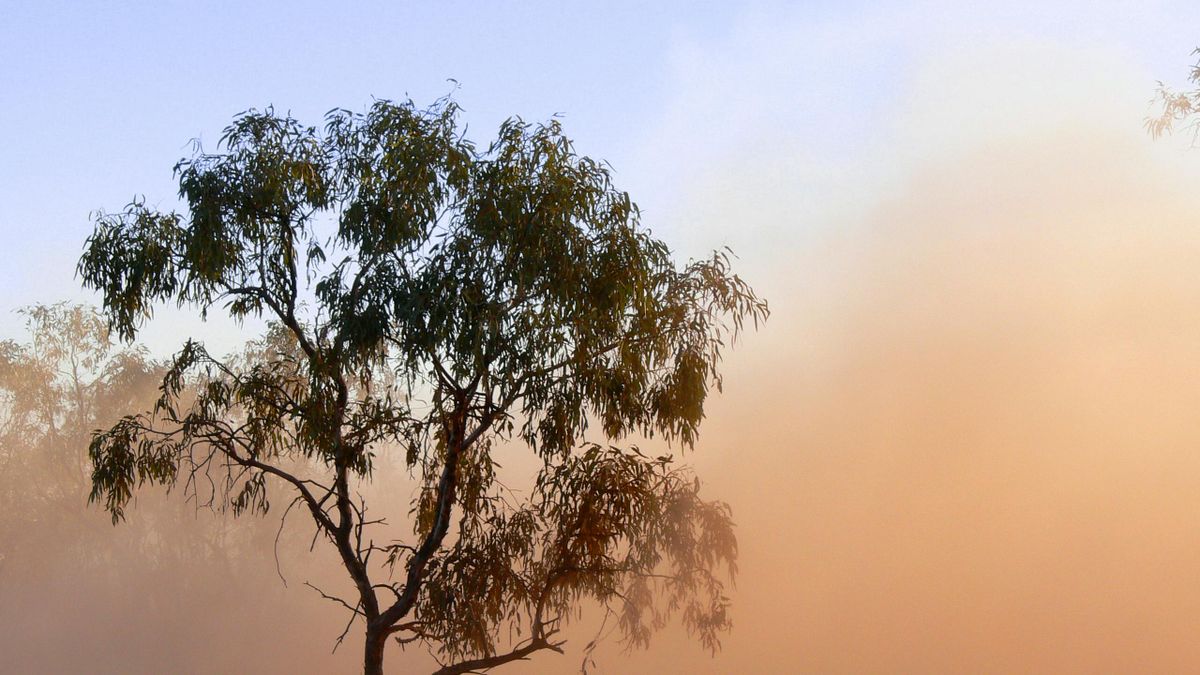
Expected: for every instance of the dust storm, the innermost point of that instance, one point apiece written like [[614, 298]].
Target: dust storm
[[965, 441]]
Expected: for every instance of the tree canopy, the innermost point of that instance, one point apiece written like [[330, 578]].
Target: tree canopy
[[447, 299]]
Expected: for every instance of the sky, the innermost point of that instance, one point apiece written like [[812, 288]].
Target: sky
[[103, 98], [965, 441]]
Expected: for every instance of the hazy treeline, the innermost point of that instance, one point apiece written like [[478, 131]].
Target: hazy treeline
[[177, 587]]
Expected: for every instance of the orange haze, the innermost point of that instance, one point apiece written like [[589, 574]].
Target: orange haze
[[965, 442]]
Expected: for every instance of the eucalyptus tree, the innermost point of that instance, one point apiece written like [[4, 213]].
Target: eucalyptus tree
[[447, 299]]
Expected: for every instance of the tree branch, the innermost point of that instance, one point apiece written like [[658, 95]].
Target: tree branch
[[519, 654]]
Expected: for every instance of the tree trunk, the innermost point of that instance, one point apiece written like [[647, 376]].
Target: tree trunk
[[373, 651]]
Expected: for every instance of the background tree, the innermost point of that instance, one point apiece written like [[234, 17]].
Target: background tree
[[449, 300], [57, 386], [54, 390]]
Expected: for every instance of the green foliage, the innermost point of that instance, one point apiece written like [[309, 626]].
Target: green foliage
[[607, 524], [443, 298]]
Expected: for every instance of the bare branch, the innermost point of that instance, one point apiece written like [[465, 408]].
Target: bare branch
[[518, 654]]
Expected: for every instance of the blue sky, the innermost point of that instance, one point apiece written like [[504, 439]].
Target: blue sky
[[102, 98], [683, 98]]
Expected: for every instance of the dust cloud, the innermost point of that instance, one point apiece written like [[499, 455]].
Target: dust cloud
[[966, 441]]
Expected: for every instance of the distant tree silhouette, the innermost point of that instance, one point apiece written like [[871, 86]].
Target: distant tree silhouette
[[445, 299], [54, 390], [57, 385]]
